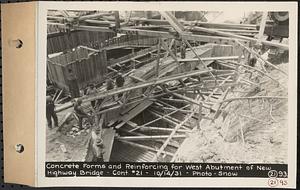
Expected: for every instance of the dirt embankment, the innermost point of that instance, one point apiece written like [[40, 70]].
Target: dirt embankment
[[247, 130], [70, 144]]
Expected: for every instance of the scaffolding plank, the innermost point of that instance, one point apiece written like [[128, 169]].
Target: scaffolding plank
[[172, 135], [134, 112], [145, 147], [108, 140], [138, 138], [210, 59]]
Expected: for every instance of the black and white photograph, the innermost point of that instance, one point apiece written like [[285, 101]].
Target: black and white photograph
[[167, 86], [158, 94]]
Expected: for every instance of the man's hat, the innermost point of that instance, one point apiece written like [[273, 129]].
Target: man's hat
[[48, 98], [79, 100]]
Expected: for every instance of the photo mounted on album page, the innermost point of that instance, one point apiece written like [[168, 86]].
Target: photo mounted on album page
[[166, 94]]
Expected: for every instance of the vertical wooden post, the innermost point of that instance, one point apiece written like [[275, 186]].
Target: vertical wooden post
[[249, 105], [262, 25], [241, 130], [132, 61], [117, 17], [199, 116], [158, 56]]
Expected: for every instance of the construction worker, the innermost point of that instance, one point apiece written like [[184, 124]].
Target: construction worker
[[109, 84], [174, 50], [252, 61], [81, 114], [50, 112], [120, 83], [73, 84], [99, 155], [92, 90], [182, 50]]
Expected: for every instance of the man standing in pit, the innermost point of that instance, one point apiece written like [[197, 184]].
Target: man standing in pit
[[81, 114], [252, 61], [50, 112], [73, 84], [182, 50], [92, 90], [109, 84]]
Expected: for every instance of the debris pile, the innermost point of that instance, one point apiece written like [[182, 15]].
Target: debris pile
[[251, 131]]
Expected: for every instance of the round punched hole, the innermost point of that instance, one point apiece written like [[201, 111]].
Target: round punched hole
[[16, 43], [19, 148], [19, 43]]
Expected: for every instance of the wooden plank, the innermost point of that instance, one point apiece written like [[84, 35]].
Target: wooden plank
[[172, 135], [210, 59], [173, 21], [150, 128], [134, 112], [185, 35], [199, 116], [173, 144], [262, 25], [234, 36], [191, 100], [63, 121], [138, 138], [198, 57], [137, 56], [158, 57], [170, 68], [108, 140], [224, 25], [252, 68], [112, 106], [169, 119], [205, 24], [236, 30], [174, 108], [144, 84], [58, 96], [217, 106], [159, 118], [145, 147], [117, 19], [260, 58], [254, 97], [165, 46]]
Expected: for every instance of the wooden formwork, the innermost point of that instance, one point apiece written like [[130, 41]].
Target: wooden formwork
[[86, 66], [127, 40], [61, 41]]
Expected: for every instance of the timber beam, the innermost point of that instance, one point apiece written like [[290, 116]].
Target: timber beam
[[168, 119], [235, 36], [172, 135], [198, 23], [209, 59], [185, 35], [159, 118], [138, 138], [143, 84], [144, 147]]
